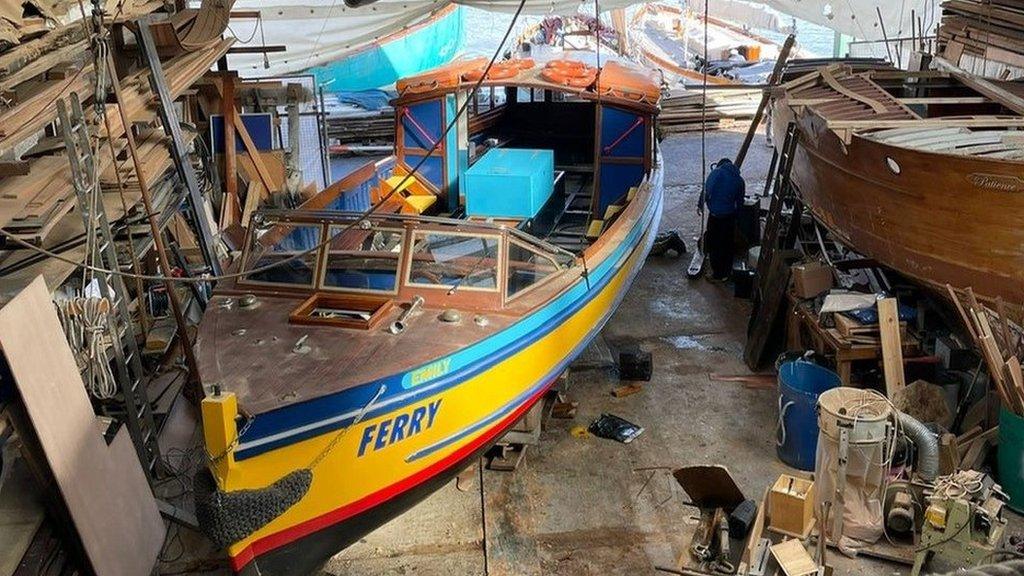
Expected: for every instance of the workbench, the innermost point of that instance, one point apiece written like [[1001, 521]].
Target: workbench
[[804, 331]]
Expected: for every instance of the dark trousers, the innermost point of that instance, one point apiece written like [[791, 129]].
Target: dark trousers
[[720, 244]]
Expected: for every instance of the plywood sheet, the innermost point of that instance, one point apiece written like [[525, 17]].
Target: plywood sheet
[[104, 488]]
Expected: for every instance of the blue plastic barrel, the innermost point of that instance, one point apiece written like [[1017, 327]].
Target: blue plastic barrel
[[800, 384]]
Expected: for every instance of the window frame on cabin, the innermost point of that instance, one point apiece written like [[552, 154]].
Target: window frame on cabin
[[408, 282]]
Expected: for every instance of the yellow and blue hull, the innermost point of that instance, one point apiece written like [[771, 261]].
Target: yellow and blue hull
[[385, 445]]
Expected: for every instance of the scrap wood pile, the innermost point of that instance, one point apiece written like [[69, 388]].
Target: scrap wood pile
[[992, 30], [681, 110], [1001, 343], [36, 193]]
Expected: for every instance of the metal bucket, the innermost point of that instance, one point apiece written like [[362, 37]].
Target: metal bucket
[[800, 384]]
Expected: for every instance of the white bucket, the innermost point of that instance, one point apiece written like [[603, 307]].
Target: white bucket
[[864, 414]]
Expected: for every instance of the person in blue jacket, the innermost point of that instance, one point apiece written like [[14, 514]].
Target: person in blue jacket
[[723, 196]]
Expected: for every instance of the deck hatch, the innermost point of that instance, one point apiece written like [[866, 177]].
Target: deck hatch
[[342, 310]]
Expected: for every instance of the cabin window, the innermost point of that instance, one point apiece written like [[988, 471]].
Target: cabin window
[[484, 99], [284, 254], [363, 259], [458, 261], [526, 268]]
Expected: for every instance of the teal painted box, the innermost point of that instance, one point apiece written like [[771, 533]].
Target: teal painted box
[[509, 183]]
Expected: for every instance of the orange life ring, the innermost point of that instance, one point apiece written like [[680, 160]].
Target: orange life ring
[[569, 73], [499, 71], [574, 67]]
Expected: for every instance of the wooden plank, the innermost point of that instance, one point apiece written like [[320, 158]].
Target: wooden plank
[[1015, 385], [945, 100], [627, 389], [982, 86], [973, 122], [960, 310], [254, 153], [253, 199], [103, 486], [230, 207], [892, 349], [833, 83], [793, 558], [755, 535]]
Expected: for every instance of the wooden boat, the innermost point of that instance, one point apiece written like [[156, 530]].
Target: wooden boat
[[426, 44], [920, 171], [672, 40], [387, 351]]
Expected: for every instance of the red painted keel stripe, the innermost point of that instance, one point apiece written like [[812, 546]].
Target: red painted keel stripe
[[278, 539]]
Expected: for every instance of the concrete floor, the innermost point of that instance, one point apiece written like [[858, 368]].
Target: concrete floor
[[576, 506]]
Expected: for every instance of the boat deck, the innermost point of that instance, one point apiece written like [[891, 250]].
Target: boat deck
[[1001, 144], [253, 352], [931, 111]]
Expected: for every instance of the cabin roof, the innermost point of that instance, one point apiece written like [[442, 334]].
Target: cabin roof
[[615, 82]]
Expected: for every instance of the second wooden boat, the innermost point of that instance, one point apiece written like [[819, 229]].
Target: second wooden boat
[[920, 171]]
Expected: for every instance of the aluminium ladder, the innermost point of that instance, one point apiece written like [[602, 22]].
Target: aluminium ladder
[[128, 370]]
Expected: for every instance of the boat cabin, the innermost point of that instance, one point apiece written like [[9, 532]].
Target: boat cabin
[[544, 162], [547, 148], [370, 262]]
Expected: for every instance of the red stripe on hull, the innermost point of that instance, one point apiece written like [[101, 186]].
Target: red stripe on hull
[[284, 537]]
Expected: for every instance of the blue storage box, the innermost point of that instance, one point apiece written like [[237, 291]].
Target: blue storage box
[[509, 183]]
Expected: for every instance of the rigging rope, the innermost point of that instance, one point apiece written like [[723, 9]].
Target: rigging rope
[[86, 323]]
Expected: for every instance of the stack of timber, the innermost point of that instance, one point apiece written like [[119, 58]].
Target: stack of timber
[[370, 128], [681, 110], [36, 193], [989, 30]]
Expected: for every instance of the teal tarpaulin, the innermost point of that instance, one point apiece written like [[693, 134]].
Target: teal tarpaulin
[[406, 55]]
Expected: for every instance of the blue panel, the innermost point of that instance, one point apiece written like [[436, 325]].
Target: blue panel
[[259, 126], [432, 170], [409, 54], [616, 180], [615, 123], [425, 115]]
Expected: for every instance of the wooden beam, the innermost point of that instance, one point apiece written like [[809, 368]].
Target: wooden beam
[[892, 348], [773, 80], [982, 86], [945, 100], [975, 122], [254, 152], [833, 83], [231, 206]]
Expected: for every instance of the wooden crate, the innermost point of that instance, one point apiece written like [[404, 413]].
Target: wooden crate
[[791, 506]]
